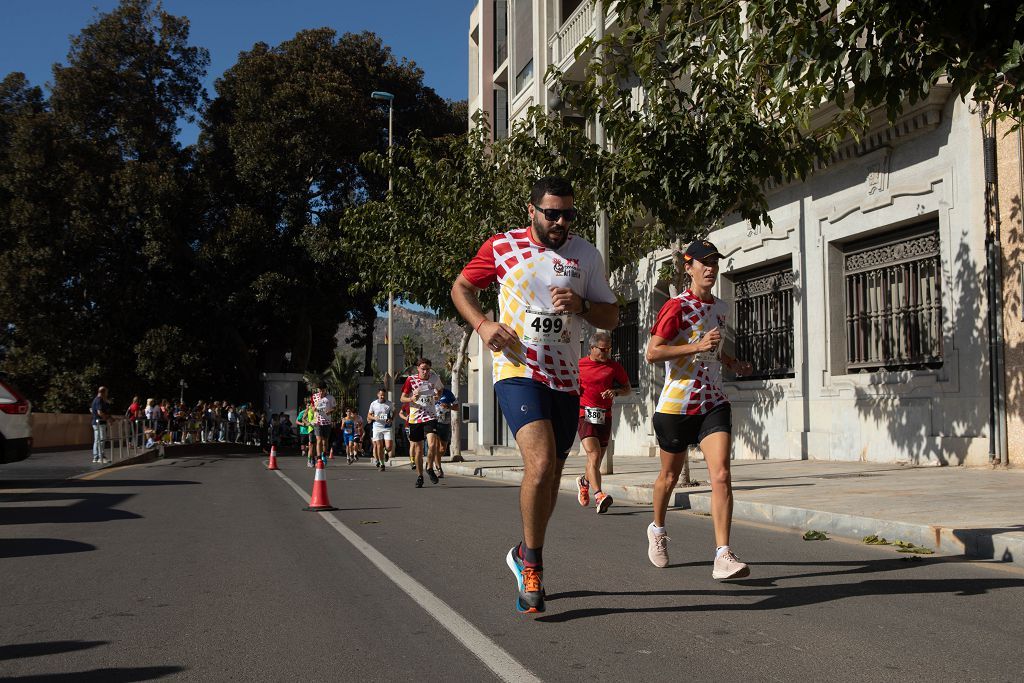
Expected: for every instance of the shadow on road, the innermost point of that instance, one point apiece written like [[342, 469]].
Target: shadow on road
[[775, 597], [30, 547], [101, 483], [110, 675], [42, 649], [89, 507]]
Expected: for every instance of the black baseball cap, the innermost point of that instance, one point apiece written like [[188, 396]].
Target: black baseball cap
[[700, 249]]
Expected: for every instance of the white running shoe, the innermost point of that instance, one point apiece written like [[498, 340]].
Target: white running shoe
[[657, 547], [728, 566]]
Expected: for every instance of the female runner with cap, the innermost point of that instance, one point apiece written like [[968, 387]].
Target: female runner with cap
[[693, 409]]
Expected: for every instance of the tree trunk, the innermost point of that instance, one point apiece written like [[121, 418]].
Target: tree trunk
[[455, 446], [369, 342]]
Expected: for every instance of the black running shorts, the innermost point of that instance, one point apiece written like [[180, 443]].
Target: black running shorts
[[676, 432], [419, 431]]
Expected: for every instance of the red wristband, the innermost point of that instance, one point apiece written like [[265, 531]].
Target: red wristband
[[477, 328]]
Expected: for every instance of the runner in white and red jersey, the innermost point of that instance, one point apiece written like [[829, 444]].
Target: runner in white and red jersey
[[420, 393], [601, 379], [548, 279], [693, 409]]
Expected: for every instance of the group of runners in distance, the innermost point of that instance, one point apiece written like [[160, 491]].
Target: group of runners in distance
[[426, 408], [549, 280]]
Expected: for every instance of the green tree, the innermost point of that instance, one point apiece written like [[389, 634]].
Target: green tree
[[740, 94], [98, 209], [342, 377], [450, 194], [280, 156]]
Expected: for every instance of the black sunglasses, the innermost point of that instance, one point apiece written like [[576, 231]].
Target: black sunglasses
[[554, 214]]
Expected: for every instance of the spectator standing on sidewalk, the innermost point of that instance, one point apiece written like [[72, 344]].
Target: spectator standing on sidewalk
[[601, 379], [100, 410], [134, 416]]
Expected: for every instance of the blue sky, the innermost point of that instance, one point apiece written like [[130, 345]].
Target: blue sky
[[433, 33]]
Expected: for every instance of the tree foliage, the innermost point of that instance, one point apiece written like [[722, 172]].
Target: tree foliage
[[97, 204], [128, 260], [709, 101], [450, 194]]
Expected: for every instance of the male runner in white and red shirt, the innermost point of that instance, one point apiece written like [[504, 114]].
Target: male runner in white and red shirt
[[548, 279], [601, 380], [420, 393], [693, 409]]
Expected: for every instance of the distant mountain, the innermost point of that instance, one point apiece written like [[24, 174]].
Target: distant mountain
[[424, 328]]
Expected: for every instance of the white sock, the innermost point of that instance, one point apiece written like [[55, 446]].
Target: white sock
[[720, 550], [657, 529]]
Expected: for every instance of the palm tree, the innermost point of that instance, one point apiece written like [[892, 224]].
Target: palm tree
[[342, 378]]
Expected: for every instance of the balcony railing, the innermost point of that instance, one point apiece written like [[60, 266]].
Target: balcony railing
[[563, 43]]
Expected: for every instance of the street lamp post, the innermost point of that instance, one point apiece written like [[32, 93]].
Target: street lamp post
[[390, 99], [184, 386]]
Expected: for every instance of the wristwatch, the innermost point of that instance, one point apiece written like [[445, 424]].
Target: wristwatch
[[584, 306]]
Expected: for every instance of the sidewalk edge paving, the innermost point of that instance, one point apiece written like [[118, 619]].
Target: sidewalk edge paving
[[1004, 545]]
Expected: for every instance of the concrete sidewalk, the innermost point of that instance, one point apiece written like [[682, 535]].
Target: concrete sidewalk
[[978, 513]]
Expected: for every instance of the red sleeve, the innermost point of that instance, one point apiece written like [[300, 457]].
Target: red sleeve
[[620, 375], [407, 387], [480, 271], [667, 324]]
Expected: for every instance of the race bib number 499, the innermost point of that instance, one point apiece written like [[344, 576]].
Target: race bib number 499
[[546, 327]]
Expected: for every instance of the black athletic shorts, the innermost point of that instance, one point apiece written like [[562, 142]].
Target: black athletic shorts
[[419, 431], [676, 432], [324, 431]]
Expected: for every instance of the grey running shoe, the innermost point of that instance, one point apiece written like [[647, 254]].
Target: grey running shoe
[[728, 566], [433, 477], [657, 548], [529, 582]]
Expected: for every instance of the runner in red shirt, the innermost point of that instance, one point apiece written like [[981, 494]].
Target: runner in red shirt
[[601, 379]]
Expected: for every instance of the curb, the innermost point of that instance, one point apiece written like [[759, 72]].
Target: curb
[[1003, 545], [161, 450]]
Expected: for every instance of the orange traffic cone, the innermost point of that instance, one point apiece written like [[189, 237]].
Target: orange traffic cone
[[272, 463], [319, 501]]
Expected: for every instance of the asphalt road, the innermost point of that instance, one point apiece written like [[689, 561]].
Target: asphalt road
[[207, 568]]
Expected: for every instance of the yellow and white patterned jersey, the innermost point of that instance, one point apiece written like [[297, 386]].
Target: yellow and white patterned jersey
[[693, 383], [526, 271]]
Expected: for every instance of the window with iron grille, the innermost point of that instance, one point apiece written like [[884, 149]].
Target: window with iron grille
[[764, 321], [626, 341], [894, 301]]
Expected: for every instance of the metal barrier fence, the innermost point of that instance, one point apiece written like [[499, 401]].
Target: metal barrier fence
[[127, 438]]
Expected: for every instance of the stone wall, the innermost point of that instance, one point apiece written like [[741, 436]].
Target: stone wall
[[1009, 165], [60, 430]]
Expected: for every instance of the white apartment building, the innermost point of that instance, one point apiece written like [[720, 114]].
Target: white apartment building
[[863, 308]]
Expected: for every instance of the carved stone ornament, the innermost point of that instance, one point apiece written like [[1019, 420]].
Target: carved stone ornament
[[877, 180], [774, 282], [912, 249]]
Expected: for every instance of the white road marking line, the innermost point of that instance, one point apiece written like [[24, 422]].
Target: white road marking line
[[486, 650]]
